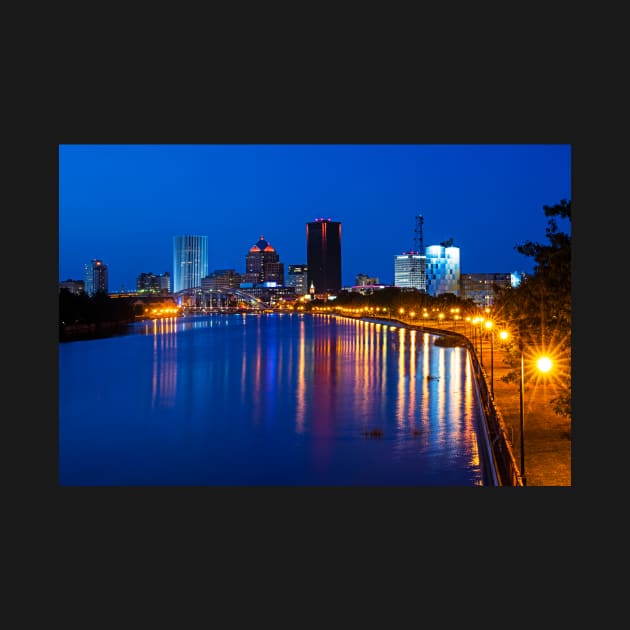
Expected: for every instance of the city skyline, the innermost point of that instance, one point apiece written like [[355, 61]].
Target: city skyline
[[123, 204]]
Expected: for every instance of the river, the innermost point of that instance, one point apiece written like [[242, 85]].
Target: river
[[268, 400]]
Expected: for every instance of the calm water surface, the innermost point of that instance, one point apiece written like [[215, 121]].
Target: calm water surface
[[271, 400]]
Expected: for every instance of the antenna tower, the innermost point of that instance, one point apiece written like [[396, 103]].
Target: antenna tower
[[418, 239]]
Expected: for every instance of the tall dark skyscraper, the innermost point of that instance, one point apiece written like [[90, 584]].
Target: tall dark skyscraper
[[323, 255]]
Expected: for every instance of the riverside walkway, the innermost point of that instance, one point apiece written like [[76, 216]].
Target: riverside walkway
[[547, 436]]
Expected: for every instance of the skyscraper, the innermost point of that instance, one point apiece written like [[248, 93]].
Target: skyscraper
[[95, 277], [262, 264], [323, 255], [190, 261]]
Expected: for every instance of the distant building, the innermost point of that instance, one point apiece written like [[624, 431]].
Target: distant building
[[262, 264], [190, 261], [95, 277], [410, 271], [443, 269], [297, 278], [516, 277], [221, 280], [364, 289], [74, 286], [480, 287], [149, 283], [363, 280], [323, 255]]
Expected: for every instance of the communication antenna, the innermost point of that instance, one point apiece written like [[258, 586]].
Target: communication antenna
[[418, 239]]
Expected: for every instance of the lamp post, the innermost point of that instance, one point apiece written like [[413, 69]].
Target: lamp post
[[473, 324], [543, 364], [490, 327], [521, 387]]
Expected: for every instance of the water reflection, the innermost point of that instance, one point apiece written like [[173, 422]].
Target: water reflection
[[300, 391], [270, 400], [164, 381]]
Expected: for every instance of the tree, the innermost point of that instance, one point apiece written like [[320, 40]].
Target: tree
[[540, 307]]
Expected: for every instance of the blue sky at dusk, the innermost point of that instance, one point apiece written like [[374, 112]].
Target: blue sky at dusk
[[124, 203]]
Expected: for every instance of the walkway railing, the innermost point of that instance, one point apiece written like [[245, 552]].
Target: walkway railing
[[505, 462], [500, 445]]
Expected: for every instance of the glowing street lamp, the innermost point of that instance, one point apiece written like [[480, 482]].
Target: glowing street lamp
[[544, 365]]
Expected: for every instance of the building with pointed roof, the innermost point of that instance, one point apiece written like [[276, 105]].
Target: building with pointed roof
[[262, 264]]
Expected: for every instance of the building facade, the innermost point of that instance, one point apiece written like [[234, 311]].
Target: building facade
[[221, 280], [481, 288], [443, 270], [190, 261], [150, 283], [323, 255], [95, 277], [297, 278], [410, 271], [363, 279], [74, 286]]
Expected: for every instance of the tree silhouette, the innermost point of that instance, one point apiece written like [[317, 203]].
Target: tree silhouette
[[540, 307]]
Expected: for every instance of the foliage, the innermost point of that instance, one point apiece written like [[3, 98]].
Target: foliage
[[96, 309], [539, 309]]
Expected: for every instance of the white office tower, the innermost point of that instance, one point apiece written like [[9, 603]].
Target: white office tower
[[409, 271]]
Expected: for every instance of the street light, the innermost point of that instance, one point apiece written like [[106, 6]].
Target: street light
[[480, 321], [473, 325], [489, 325], [543, 364]]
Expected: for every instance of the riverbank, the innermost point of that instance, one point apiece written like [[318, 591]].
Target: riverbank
[[84, 332]]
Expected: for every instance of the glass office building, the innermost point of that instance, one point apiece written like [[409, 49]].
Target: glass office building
[[443, 270], [190, 261]]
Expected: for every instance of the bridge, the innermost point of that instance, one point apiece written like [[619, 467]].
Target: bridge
[[231, 300]]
